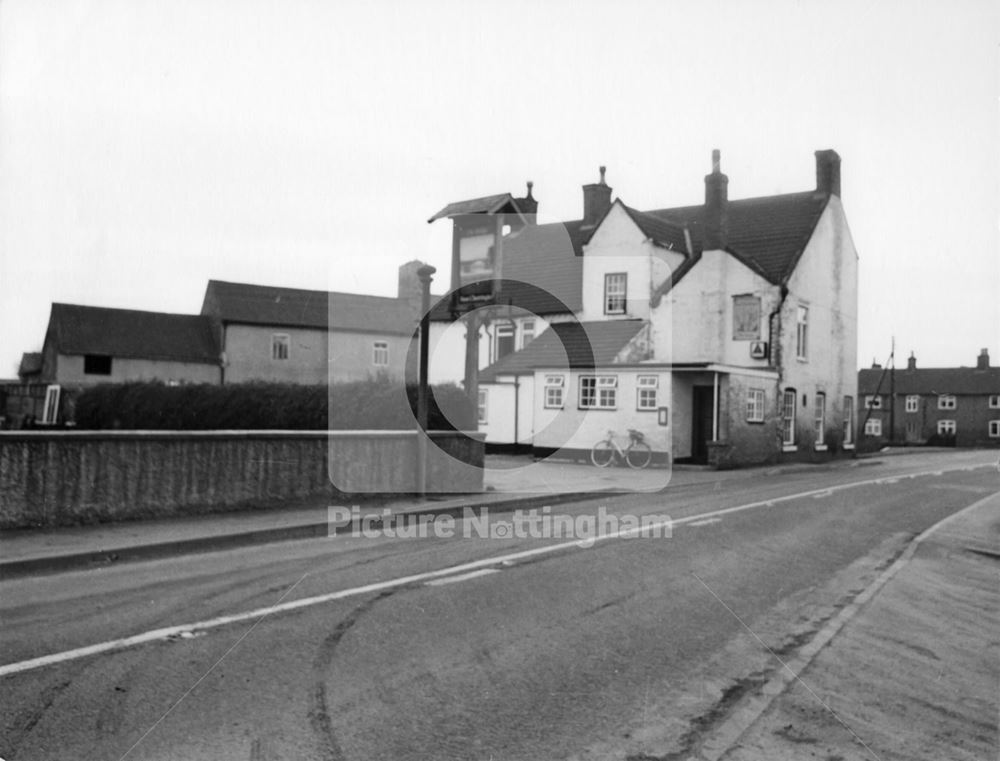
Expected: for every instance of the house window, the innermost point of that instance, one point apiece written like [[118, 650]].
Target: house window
[[481, 405], [848, 420], [788, 417], [947, 402], [873, 427], [554, 392], [912, 403], [527, 332], [504, 339], [994, 429], [802, 332], [873, 402], [755, 405], [819, 418], [615, 285], [598, 392], [50, 413], [380, 354], [279, 345], [746, 318], [946, 427], [645, 392], [995, 402], [96, 364]]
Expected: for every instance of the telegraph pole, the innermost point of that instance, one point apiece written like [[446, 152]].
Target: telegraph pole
[[892, 393]]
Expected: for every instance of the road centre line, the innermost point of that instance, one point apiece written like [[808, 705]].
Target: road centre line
[[181, 630], [462, 577]]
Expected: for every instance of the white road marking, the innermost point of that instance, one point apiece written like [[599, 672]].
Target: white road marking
[[462, 577], [706, 522], [180, 630]]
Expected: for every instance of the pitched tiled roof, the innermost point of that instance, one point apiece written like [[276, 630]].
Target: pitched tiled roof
[[569, 344], [768, 233], [661, 231], [295, 307], [484, 205], [933, 380], [31, 364], [132, 333]]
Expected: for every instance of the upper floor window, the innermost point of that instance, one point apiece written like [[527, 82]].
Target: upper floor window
[[912, 403], [598, 392], [994, 429], [554, 392], [96, 364], [380, 354], [527, 332], [947, 402], [995, 401], [615, 286], [645, 392], [755, 405], [279, 345], [504, 339], [873, 402], [802, 332], [746, 318]]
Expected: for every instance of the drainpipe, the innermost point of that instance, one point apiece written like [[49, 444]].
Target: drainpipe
[[775, 345]]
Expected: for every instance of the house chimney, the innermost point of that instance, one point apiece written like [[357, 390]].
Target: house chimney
[[528, 205], [911, 363], [716, 205], [596, 201], [828, 172], [876, 365], [983, 361], [409, 288]]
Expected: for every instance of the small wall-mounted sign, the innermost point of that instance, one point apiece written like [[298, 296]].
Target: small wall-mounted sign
[[663, 416], [758, 349]]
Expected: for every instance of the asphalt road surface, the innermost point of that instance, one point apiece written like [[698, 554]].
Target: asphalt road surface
[[530, 648]]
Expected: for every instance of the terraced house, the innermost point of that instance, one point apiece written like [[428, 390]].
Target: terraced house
[[725, 331]]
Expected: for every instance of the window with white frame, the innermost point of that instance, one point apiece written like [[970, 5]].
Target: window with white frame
[[946, 427], [527, 332], [819, 418], [645, 392], [873, 402], [504, 339], [598, 392], [995, 401], [873, 427], [615, 287], [788, 417], [802, 332], [481, 405], [554, 385], [755, 405], [279, 345], [947, 402], [994, 429], [848, 420], [380, 354], [913, 403], [50, 412]]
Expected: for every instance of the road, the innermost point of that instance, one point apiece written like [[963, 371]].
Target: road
[[629, 648]]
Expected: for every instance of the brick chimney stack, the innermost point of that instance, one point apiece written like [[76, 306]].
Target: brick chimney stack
[[828, 172], [528, 205], [409, 287], [716, 205], [596, 201], [983, 361], [911, 363]]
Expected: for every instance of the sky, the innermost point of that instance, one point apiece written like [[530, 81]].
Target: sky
[[147, 146]]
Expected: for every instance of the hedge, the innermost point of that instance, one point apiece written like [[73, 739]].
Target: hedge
[[372, 405]]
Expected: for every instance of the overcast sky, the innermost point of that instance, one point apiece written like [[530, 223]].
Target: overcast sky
[[147, 146]]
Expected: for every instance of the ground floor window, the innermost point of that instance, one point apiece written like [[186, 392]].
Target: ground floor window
[[554, 392], [788, 417], [995, 429], [755, 405], [848, 420], [598, 392], [482, 404], [279, 345], [873, 427], [946, 427], [96, 364], [819, 418], [645, 394], [50, 413], [380, 354]]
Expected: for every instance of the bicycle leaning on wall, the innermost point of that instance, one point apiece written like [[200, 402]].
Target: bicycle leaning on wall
[[638, 454]]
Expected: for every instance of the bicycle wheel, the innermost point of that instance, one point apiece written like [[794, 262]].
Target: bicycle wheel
[[602, 454], [638, 455]]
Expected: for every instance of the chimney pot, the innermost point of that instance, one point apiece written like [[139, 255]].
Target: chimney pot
[[530, 186], [828, 172]]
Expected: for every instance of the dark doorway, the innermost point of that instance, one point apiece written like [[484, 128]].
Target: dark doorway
[[701, 428]]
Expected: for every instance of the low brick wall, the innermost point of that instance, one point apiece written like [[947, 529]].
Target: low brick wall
[[59, 478]]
